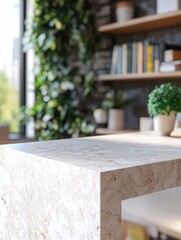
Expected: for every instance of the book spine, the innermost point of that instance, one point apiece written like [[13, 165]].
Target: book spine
[[134, 57], [145, 55], [129, 64], [162, 49], [140, 58], [149, 58], [114, 60], [119, 61], [124, 58], [156, 58]]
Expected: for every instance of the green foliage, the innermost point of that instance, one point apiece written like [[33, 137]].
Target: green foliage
[[164, 99], [63, 37], [115, 99], [9, 103]]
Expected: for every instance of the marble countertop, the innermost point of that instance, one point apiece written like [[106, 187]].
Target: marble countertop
[[73, 189], [105, 153]]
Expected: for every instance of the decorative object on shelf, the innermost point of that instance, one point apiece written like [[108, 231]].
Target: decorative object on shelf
[[163, 104], [116, 119], [172, 66], [101, 117], [145, 124], [115, 101], [63, 36], [172, 55], [101, 112], [124, 11], [168, 6]]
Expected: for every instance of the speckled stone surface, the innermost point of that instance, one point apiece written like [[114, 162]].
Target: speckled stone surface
[[72, 189]]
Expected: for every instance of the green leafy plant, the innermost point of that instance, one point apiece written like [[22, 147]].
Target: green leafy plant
[[62, 34], [164, 99], [115, 99]]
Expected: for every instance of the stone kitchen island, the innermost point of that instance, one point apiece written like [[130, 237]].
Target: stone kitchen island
[[72, 189]]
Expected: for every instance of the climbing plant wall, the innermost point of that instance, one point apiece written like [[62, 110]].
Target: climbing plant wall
[[62, 34]]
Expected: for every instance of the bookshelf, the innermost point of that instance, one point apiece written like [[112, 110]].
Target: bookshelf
[[141, 77], [137, 25], [131, 77], [143, 24]]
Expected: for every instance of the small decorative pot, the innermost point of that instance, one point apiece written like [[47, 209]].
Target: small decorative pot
[[116, 119], [164, 123], [124, 11], [145, 124], [100, 116]]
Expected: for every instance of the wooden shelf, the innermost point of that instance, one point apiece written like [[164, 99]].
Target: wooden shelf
[[106, 131], [143, 24], [141, 77]]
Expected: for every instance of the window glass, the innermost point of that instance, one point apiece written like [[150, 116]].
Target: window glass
[[9, 63]]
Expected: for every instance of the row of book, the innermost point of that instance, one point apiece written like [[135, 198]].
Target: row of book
[[147, 56]]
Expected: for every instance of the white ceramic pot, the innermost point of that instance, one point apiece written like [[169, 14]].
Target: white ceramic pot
[[124, 11], [164, 123], [145, 124], [100, 116], [116, 119]]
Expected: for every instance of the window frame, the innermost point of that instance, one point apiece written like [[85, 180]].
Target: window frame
[[23, 15]]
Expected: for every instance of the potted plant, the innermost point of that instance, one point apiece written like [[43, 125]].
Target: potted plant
[[163, 104], [115, 101]]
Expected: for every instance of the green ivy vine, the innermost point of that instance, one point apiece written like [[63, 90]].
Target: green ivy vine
[[62, 34]]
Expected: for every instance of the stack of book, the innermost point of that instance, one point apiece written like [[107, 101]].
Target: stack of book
[[172, 60], [136, 57]]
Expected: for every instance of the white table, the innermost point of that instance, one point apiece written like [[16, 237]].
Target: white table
[[73, 189]]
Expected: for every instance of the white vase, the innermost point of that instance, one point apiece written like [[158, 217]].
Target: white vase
[[145, 124], [116, 119], [124, 11], [164, 123], [100, 116]]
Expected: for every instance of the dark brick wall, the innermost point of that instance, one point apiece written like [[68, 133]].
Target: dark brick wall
[[104, 11]]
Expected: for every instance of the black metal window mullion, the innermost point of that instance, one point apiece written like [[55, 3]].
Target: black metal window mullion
[[22, 62]]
